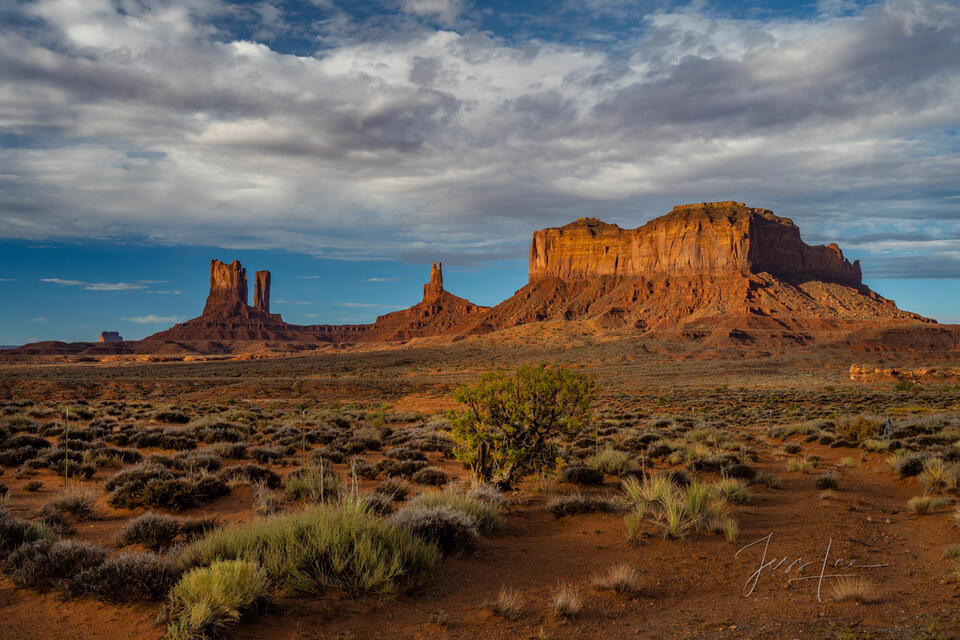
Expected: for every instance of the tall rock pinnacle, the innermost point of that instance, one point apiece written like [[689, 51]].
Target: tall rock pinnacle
[[261, 292], [228, 285], [434, 288]]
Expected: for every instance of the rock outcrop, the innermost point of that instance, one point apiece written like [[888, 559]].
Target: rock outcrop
[[110, 336], [261, 292], [712, 271], [228, 286], [692, 240], [440, 312]]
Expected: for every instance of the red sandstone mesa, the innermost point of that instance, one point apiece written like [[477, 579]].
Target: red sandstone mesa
[[110, 336]]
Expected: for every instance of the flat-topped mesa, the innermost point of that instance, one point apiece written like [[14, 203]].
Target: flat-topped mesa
[[228, 285], [434, 288], [692, 240], [261, 291], [110, 336]]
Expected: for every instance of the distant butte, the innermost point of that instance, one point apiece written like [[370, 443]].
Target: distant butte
[[717, 272]]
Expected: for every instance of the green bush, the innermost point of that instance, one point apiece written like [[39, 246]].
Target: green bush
[[485, 512], [513, 420], [208, 600], [340, 546]]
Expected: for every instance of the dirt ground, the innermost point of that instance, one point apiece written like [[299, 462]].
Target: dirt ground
[[698, 587]]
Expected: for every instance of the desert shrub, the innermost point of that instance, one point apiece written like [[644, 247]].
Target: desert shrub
[[43, 564], [15, 532], [164, 438], [513, 420], [263, 455], [910, 465], [152, 530], [197, 461], [230, 449], [172, 415], [430, 476], [78, 504], [612, 461], [826, 481], [395, 488], [581, 474], [450, 530], [252, 474], [32, 486], [126, 577], [405, 453], [857, 429], [577, 503], [154, 485], [340, 546], [740, 472], [484, 512], [208, 600], [313, 484]]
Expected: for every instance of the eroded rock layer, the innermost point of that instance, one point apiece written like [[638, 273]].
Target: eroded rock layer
[[692, 240]]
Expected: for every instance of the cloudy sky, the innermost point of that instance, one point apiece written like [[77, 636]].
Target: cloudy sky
[[346, 144]]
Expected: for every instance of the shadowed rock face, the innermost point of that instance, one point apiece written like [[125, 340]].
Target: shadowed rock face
[[261, 292], [110, 336], [719, 238], [228, 285]]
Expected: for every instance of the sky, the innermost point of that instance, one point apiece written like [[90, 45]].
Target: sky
[[346, 144]]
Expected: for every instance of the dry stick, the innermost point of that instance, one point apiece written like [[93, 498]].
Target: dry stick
[[66, 447], [303, 438]]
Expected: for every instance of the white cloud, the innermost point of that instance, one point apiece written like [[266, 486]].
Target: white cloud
[[155, 319], [434, 142], [95, 286]]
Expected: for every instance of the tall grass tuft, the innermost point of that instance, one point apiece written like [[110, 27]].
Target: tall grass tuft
[[340, 546]]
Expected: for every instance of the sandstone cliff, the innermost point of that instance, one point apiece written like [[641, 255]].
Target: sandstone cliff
[[692, 240], [703, 271], [110, 336]]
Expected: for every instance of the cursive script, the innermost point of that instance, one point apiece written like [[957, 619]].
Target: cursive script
[[797, 566]]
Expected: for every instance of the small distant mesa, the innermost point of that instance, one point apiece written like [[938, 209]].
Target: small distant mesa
[[110, 336]]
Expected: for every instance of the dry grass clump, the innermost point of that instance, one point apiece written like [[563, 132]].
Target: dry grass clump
[[854, 589], [769, 480], [509, 604], [621, 578], [922, 505], [566, 601]]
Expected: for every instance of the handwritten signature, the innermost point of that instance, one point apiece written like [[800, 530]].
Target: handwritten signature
[[797, 566]]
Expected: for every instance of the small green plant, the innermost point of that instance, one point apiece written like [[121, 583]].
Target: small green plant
[[208, 600]]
